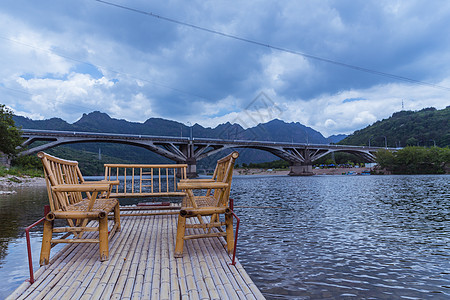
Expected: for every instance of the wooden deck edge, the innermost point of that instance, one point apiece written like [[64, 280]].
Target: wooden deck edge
[[205, 270]]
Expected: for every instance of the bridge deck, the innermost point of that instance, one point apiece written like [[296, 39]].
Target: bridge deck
[[141, 266], [176, 148]]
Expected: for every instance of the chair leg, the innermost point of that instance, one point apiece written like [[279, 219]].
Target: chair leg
[[117, 216], [181, 229], [46, 242], [230, 233], [103, 237]]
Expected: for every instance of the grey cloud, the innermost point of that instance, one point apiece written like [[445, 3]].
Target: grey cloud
[[179, 69]]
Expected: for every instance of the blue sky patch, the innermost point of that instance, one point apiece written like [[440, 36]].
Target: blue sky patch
[[353, 99]]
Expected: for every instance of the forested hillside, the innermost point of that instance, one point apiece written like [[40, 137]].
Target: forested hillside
[[427, 127]]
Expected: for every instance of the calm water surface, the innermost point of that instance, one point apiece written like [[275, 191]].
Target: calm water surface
[[379, 237], [371, 237]]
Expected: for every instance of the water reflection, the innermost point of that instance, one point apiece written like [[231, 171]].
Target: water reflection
[[16, 212]]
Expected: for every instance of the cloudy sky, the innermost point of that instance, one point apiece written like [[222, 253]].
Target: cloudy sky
[[241, 62]]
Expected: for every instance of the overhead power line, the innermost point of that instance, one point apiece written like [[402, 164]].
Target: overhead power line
[[342, 64]]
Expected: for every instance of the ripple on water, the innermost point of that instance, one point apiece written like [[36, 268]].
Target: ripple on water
[[378, 237]]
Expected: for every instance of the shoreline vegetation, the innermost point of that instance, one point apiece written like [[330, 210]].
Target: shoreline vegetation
[[409, 160], [19, 177], [325, 171], [9, 182]]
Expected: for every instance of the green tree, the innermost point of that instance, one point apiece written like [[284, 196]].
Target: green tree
[[10, 135], [412, 141], [415, 160], [385, 159]]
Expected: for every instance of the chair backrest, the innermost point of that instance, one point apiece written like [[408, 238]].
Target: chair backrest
[[224, 173], [144, 180], [58, 172]]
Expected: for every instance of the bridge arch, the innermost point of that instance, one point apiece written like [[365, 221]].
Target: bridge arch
[[185, 150]]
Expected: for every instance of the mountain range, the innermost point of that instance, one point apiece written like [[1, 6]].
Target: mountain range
[[274, 130], [426, 127]]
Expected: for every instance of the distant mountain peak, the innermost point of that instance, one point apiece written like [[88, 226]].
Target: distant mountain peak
[[274, 130], [95, 115]]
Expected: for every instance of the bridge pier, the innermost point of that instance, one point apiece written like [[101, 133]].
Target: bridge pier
[[188, 151], [192, 168], [301, 170]]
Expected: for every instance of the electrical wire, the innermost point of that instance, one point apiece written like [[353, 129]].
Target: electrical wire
[[310, 56]]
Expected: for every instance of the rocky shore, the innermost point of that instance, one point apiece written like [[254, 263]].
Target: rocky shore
[[331, 171], [9, 182]]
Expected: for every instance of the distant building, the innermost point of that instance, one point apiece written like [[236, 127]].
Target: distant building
[[370, 165]]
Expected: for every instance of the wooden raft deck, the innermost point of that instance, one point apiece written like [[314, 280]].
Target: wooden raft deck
[[141, 266]]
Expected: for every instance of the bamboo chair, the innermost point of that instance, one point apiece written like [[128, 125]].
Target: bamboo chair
[[213, 203], [66, 187]]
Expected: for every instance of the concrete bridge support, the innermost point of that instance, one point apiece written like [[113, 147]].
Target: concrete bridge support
[[192, 167], [301, 169], [190, 150], [191, 160]]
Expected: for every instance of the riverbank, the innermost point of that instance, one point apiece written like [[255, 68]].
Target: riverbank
[[9, 182], [330, 171]]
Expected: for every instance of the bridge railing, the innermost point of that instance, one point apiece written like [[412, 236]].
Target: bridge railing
[[142, 180], [56, 133]]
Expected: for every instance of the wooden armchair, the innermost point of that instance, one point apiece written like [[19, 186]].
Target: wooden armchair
[[210, 204], [66, 188]]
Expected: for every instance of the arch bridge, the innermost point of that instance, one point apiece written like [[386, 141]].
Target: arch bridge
[[189, 151]]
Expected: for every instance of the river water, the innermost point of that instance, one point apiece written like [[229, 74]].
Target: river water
[[320, 237]]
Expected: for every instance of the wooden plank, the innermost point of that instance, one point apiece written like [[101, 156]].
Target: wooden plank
[[165, 262], [140, 272], [211, 287], [40, 275], [174, 285], [212, 266], [132, 263], [83, 290], [148, 270], [213, 245], [52, 272], [189, 275], [117, 277], [156, 272], [76, 274], [142, 266], [230, 270], [100, 280]]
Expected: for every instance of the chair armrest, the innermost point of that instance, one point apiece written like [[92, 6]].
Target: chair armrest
[[111, 182], [98, 187], [201, 185], [198, 180]]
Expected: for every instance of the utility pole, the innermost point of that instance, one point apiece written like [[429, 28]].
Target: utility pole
[[190, 130]]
